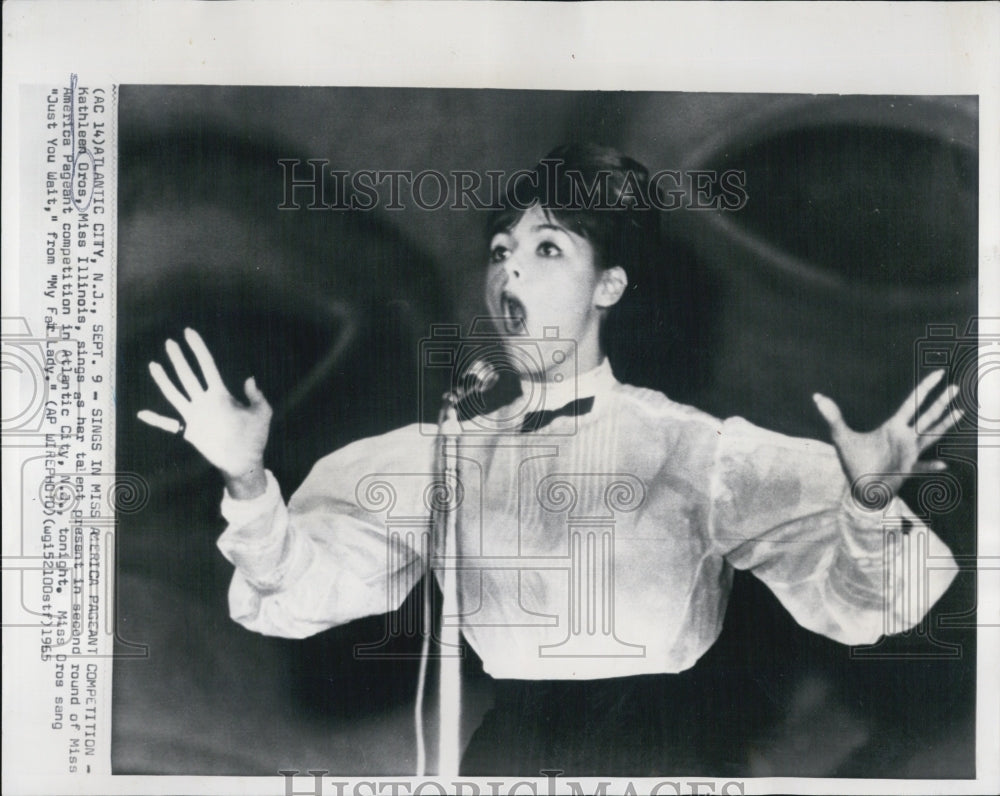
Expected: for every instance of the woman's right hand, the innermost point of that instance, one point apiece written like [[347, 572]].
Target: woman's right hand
[[231, 435]]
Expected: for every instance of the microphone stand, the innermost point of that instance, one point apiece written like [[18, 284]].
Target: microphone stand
[[480, 376], [450, 672], [443, 546]]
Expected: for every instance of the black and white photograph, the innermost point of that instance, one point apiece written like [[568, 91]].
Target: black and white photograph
[[733, 611], [505, 438]]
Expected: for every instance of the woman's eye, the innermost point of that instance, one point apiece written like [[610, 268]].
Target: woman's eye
[[498, 254], [548, 249]]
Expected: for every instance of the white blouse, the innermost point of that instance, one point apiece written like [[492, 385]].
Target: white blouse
[[601, 545]]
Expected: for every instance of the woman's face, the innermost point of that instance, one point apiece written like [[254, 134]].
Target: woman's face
[[544, 284]]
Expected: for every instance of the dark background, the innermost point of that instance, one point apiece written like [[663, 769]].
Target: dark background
[[860, 232]]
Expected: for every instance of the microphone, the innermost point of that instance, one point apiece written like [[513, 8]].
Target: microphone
[[479, 377], [471, 383]]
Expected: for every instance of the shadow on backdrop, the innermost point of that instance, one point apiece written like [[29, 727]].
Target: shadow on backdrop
[[319, 307]]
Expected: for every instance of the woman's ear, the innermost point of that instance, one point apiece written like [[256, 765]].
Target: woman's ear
[[611, 287]]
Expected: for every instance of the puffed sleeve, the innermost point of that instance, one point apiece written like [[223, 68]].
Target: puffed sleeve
[[781, 508], [331, 555]]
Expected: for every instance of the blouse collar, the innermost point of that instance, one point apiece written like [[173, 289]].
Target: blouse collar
[[554, 395]]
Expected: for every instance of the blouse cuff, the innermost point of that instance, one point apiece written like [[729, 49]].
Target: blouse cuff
[[864, 530], [240, 513], [257, 539]]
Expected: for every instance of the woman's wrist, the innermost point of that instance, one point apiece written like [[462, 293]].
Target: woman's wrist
[[247, 485]]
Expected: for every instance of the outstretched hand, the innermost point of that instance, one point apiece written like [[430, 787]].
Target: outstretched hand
[[892, 451], [231, 435]]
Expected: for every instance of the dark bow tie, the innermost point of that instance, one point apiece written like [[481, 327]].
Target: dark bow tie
[[536, 420]]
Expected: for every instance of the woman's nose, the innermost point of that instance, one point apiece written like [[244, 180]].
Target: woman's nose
[[512, 266]]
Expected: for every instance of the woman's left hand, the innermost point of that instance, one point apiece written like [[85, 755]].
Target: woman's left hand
[[892, 451]]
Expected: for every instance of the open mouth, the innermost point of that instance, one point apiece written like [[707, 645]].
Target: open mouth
[[513, 314]]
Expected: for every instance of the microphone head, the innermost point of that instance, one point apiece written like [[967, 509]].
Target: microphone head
[[480, 376]]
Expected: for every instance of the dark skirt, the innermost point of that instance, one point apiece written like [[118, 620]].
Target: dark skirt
[[641, 726]]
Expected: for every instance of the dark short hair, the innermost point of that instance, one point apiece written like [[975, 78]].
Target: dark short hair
[[595, 191], [601, 195]]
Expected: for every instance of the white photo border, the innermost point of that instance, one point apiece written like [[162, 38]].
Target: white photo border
[[836, 48]]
